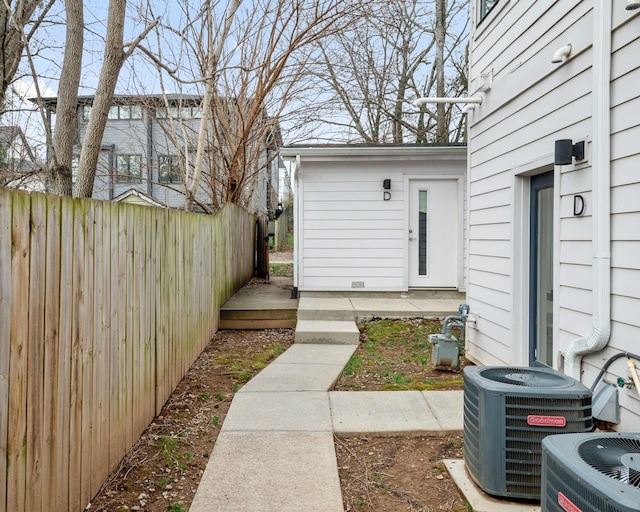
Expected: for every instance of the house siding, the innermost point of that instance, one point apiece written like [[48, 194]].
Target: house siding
[[350, 233], [532, 103]]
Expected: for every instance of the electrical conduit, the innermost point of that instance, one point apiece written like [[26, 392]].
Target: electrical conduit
[[601, 190]]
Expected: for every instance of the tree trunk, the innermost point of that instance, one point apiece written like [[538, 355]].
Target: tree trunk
[[67, 107], [209, 89], [442, 130], [113, 59]]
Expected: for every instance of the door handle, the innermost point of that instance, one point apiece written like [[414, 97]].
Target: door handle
[[411, 238]]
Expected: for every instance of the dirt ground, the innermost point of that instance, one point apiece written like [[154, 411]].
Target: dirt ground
[[162, 471]]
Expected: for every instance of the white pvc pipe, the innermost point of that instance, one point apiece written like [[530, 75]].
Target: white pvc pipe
[[424, 101], [600, 190]]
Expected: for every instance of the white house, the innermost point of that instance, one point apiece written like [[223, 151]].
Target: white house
[[378, 218], [554, 243]]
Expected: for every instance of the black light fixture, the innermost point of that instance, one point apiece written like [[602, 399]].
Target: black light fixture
[[386, 184], [566, 151]]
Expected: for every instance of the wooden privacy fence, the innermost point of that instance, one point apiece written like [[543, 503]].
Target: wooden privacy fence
[[103, 308]]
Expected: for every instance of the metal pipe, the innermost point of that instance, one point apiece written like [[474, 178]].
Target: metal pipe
[[608, 363], [423, 101]]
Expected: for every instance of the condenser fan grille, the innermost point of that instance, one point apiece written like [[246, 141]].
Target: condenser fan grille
[[616, 457], [528, 377]]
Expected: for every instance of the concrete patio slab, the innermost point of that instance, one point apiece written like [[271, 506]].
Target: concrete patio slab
[[385, 412], [270, 472], [447, 407], [294, 377], [305, 353], [435, 308], [301, 411], [382, 307], [477, 498]]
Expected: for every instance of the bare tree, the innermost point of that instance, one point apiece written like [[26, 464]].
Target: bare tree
[[14, 20], [249, 72], [60, 179], [400, 50], [211, 70], [116, 52]]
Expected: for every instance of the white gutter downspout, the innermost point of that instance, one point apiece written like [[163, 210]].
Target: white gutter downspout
[[296, 223], [601, 194]]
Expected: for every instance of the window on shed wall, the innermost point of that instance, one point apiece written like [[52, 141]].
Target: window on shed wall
[[129, 168], [484, 7], [422, 233]]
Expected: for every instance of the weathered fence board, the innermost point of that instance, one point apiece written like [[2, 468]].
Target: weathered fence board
[[19, 322], [5, 331], [103, 308]]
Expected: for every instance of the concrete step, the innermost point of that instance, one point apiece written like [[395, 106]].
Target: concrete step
[[334, 332], [258, 318], [325, 308]]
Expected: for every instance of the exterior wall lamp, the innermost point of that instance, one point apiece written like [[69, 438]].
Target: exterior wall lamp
[[386, 185], [632, 5], [566, 151]]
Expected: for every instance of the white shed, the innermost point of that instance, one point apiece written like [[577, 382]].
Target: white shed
[[379, 218]]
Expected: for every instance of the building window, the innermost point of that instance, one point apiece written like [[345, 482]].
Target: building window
[[183, 113], [86, 112], [169, 169], [128, 168], [125, 112], [485, 7]]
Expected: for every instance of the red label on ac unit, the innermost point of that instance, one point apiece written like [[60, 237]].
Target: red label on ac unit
[[566, 504], [546, 421]]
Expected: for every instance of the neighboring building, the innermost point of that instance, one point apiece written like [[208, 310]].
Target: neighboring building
[[150, 142], [18, 166], [378, 218], [554, 247]]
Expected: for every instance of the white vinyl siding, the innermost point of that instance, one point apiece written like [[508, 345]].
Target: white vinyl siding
[[531, 104], [350, 233]]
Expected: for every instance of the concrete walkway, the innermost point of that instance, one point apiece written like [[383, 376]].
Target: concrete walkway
[[275, 451]]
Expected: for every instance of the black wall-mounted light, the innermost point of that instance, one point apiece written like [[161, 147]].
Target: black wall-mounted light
[[386, 184], [566, 151]]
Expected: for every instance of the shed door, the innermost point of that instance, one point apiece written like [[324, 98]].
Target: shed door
[[434, 234]]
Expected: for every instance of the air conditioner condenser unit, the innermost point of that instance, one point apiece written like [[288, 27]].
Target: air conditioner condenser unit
[[598, 472], [508, 411]]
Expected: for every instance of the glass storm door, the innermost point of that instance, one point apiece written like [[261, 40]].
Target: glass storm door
[[541, 270], [433, 237]]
